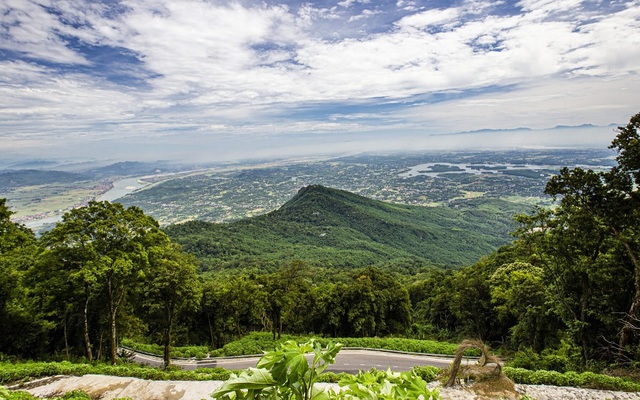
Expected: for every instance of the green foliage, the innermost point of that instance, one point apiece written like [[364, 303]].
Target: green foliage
[[197, 352], [571, 378], [566, 358], [23, 330], [257, 342], [329, 227], [101, 251], [427, 372], [76, 395], [72, 395], [17, 372], [172, 287], [385, 385], [284, 373]]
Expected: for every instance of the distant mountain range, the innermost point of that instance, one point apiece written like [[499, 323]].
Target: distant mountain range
[[32, 177], [334, 228]]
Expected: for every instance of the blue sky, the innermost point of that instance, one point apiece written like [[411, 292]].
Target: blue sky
[[218, 80]]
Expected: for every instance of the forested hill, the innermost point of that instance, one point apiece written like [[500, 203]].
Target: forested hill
[[31, 177], [334, 228]]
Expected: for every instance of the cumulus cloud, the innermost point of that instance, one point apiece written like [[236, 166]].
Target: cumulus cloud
[[135, 68]]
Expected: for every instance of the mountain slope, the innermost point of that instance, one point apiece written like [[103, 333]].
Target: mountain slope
[[330, 227], [33, 177]]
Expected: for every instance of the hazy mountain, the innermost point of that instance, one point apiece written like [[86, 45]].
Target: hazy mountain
[[31, 177]]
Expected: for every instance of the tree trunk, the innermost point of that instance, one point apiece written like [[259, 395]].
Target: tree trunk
[[66, 340], [584, 300], [213, 344], [113, 312], [87, 341], [112, 322], [627, 331], [167, 337], [100, 344], [112, 337]]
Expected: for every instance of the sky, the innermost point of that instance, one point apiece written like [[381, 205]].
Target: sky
[[224, 80]]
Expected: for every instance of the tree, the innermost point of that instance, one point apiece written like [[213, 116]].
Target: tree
[[172, 287], [518, 292], [577, 252], [375, 304], [286, 289], [612, 201], [23, 331], [232, 306], [106, 247]]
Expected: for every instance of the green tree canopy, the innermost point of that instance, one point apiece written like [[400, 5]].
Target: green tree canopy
[[104, 247]]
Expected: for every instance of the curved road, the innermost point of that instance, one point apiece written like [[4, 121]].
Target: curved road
[[348, 360]]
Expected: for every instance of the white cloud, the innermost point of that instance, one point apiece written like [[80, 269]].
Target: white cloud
[[349, 3], [430, 18], [235, 68], [573, 101], [29, 29], [365, 14]]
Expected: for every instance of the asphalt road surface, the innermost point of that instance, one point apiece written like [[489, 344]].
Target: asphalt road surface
[[350, 361]]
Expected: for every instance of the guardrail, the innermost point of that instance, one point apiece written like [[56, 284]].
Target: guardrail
[[159, 356]]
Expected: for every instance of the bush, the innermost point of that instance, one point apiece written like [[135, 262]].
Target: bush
[[16, 372], [76, 395], [585, 379], [258, 342], [561, 360], [198, 352], [427, 372]]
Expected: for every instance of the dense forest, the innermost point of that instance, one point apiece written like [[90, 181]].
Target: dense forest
[[327, 227], [565, 293]]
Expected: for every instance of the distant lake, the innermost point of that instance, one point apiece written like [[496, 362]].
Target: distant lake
[[436, 169]]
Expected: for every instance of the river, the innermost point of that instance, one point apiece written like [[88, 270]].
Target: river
[[120, 188]]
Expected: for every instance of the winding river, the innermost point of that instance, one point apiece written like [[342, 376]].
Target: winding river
[[120, 188]]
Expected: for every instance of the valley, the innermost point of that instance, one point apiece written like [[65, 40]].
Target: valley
[[222, 193]]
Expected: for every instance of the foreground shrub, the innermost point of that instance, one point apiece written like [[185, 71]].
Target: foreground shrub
[[385, 385], [427, 372], [17, 372], [585, 379], [285, 373]]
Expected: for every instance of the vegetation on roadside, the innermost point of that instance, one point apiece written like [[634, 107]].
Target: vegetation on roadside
[[22, 395], [257, 342], [586, 379], [198, 352], [11, 373]]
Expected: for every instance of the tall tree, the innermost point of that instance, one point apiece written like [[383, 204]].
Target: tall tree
[[172, 287], [22, 330], [284, 291], [105, 244], [611, 200], [518, 292]]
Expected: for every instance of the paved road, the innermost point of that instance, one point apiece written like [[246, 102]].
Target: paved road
[[350, 361]]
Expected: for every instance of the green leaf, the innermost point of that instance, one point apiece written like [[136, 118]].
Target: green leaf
[[252, 379]]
